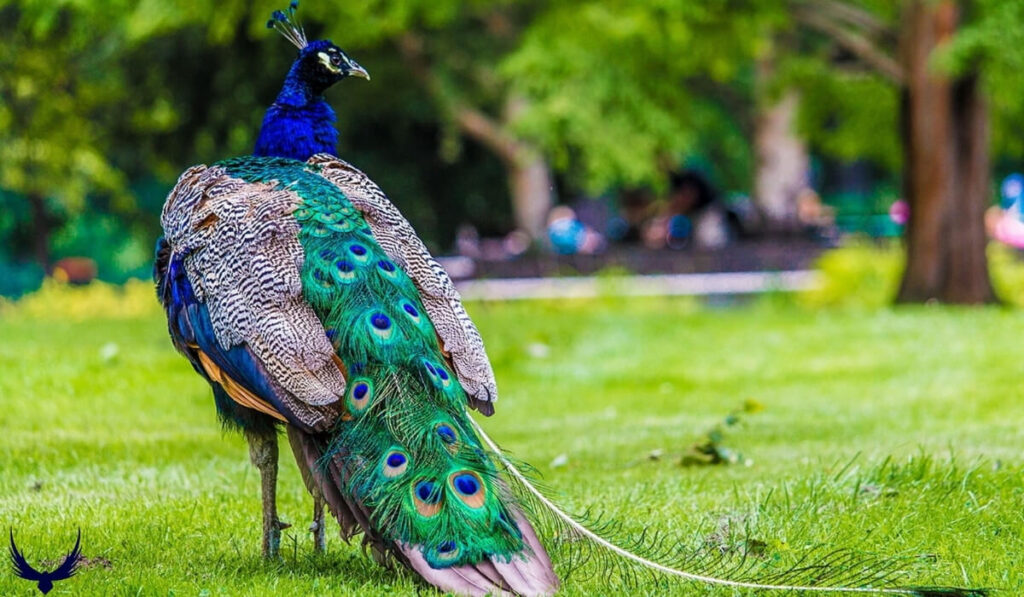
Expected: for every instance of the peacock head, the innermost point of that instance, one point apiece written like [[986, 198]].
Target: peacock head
[[320, 63]]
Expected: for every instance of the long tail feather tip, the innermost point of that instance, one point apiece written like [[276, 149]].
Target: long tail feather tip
[[866, 586]]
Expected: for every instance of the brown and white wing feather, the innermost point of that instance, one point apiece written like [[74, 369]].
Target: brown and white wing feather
[[243, 260], [459, 336]]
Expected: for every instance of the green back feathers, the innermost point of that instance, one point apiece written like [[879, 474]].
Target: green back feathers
[[405, 439]]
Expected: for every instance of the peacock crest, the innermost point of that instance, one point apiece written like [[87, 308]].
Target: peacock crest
[[287, 24]]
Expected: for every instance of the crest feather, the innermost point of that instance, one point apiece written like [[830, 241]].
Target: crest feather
[[288, 25]]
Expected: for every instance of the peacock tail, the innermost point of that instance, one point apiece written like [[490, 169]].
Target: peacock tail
[[404, 438]]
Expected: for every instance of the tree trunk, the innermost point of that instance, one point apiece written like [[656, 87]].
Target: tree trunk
[[946, 167], [531, 187], [42, 225], [529, 177], [782, 164]]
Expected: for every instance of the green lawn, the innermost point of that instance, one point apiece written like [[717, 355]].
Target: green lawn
[[899, 432]]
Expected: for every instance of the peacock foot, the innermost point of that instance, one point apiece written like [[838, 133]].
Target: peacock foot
[[272, 537]]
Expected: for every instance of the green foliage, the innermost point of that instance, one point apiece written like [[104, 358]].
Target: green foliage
[[58, 98], [58, 301], [614, 89], [994, 41], [612, 93], [858, 276], [120, 252], [866, 276], [870, 436], [837, 109]]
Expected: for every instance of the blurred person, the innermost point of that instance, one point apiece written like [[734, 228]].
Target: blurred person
[[467, 241], [817, 220], [637, 209], [695, 215], [565, 231], [1011, 191], [899, 212], [1004, 222], [569, 235], [1005, 226], [77, 271]]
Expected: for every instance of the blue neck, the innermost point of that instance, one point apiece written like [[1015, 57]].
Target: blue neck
[[299, 124]]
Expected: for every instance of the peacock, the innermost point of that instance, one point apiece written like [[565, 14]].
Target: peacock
[[299, 292]]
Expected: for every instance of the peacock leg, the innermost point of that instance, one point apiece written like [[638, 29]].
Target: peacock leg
[[317, 527], [263, 454]]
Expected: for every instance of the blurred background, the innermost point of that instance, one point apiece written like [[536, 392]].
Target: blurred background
[[806, 164], [537, 138]]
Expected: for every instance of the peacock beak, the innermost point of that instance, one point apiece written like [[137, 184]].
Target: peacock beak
[[357, 71]]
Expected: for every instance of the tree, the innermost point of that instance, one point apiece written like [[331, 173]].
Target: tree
[[783, 163], [947, 166], [619, 92], [453, 50], [944, 128], [531, 187], [54, 100]]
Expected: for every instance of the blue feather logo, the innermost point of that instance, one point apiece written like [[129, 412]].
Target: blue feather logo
[[45, 580]]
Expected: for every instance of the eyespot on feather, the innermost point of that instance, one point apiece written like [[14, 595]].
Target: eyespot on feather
[[316, 229], [380, 321], [443, 377], [344, 271], [387, 269], [395, 464], [411, 311], [446, 433], [381, 325], [360, 395], [327, 217], [447, 552], [469, 488], [322, 279], [342, 226], [427, 498], [358, 253]]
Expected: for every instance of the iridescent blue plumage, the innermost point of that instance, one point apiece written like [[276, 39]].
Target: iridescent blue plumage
[[300, 123], [191, 331]]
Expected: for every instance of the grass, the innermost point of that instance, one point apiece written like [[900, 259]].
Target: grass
[[896, 431]]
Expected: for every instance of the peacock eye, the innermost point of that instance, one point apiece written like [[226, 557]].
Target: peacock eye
[[335, 59]]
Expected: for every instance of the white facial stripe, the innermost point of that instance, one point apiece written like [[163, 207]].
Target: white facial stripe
[[325, 59]]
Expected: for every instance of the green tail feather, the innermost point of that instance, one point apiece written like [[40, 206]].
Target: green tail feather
[[405, 437]]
